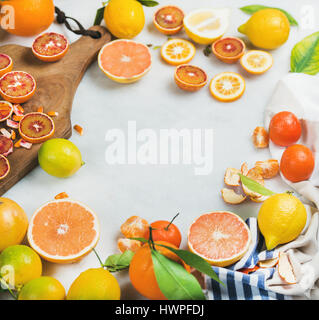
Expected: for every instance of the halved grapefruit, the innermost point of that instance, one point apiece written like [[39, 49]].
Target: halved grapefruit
[[63, 231], [125, 61], [6, 64], [221, 238], [17, 86], [50, 46]]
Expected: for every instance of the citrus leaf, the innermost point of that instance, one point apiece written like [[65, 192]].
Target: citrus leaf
[[174, 281], [305, 55], [118, 262], [99, 16], [256, 7], [255, 186], [148, 3], [139, 239]]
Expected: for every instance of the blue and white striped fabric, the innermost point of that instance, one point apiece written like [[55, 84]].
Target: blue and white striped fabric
[[241, 286]]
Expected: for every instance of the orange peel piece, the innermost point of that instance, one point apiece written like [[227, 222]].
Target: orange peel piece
[[269, 263], [62, 195], [231, 197], [53, 113], [40, 109], [260, 137], [244, 168], [78, 129], [232, 177], [270, 168], [285, 269], [124, 244]]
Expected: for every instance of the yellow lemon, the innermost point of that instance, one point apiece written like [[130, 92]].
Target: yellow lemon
[[267, 28], [95, 284], [281, 219], [124, 18]]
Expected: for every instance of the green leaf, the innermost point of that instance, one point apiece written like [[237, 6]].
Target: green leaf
[[148, 3], [255, 186], [194, 261], [305, 55], [99, 16], [118, 262], [208, 50], [256, 7], [174, 281]]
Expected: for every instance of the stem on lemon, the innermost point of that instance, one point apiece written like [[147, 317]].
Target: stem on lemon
[[98, 257]]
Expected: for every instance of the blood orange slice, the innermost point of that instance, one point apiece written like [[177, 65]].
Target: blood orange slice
[[6, 109], [36, 127], [169, 19], [221, 238], [190, 78], [125, 61], [17, 86], [228, 50], [50, 46], [4, 167], [6, 64], [6, 145], [63, 231]]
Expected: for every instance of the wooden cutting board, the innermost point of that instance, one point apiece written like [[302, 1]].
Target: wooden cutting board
[[56, 86]]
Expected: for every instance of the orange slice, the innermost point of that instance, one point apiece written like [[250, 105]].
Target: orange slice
[[63, 231], [190, 78], [169, 19], [36, 127], [50, 46], [4, 167], [125, 61], [6, 64], [220, 237], [228, 50], [17, 86], [256, 61], [227, 86], [177, 51], [6, 110]]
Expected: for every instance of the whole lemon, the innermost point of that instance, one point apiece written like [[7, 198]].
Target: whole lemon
[[95, 284], [281, 219], [19, 264], [42, 288], [267, 28], [124, 18]]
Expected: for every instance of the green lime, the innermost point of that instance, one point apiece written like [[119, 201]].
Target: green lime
[[19, 264], [42, 288], [60, 158]]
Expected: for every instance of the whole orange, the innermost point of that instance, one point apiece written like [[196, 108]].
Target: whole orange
[[13, 223], [31, 17], [142, 271], [297, 163]]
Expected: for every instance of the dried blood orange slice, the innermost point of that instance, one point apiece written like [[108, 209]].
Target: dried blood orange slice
[[17, 86], [220, 237], [36, 127], [125, 61], [4, 167], [6, 64], [228, 49], [6, 145], [6, 109], [50, 46], [63, 231], [190, 78], [169, 19]]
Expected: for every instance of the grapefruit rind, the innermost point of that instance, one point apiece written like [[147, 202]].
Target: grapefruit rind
[[7, 68], [168, 31], [230, 260], [121, 79], [70, 258]]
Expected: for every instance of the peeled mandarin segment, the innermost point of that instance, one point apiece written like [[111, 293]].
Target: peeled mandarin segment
[[6, 64], [135, 227], [231, 197], [6, 110], [6, 145], [36, 127], [124, 244], [190, 78], [228, 50], [260, 137], [256, 61], [169, 19], [4, 167], [17, 86], [50, 46], [63, 231], [270, 168], [220, 237]]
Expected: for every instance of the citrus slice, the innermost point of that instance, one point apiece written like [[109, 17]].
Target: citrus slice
[[50, 46], [190, 78], [36, 127], [6, 145], [228, 50], [6, 109], [177, 51], [205, 26], [169, 19], [17, 86], [227, 86], [125, 61], [6, 64], [256, 61], [63, 231], [220, 237], [4, 167]]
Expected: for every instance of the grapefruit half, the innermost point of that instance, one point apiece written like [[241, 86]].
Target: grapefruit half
[[125, 61], [221, 238]]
